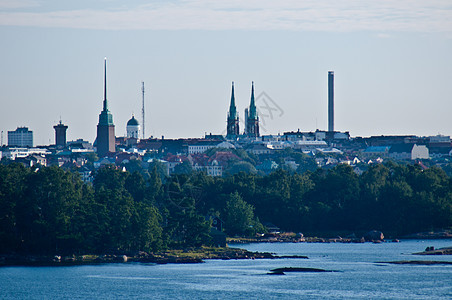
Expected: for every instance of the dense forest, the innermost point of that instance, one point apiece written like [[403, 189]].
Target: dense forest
[[50, 210]]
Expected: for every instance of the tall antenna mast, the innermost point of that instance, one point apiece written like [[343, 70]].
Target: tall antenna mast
[[142, 111]]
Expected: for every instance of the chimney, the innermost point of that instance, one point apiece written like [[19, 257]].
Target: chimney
[[331, 101]]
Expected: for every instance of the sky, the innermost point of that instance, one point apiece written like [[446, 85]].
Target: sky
[[391, 61]]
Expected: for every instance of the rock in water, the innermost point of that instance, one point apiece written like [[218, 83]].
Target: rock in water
[[282, 270], [374, 235]]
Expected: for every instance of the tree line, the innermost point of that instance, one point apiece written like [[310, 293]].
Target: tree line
[[50, 210]]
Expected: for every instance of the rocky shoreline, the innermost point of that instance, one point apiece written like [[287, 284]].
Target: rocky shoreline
[[198, 255], [431, 235], [373, 236], [167, 257], [416, 262], [433, 251]]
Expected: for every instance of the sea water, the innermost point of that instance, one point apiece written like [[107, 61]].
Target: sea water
[[359, 274]]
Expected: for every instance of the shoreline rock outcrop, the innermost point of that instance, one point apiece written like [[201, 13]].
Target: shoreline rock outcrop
[[433, 251], [417, 262], [164, 257]]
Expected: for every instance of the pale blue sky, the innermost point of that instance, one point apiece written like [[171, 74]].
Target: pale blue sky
[[391, 60]]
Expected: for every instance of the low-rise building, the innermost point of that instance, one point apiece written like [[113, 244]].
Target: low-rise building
[[201, 147], [380, 151], [13, 153], [409, 152], [214, 169], [258, 149], [32, 160]]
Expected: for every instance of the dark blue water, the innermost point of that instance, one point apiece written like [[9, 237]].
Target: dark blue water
[[359, 276]]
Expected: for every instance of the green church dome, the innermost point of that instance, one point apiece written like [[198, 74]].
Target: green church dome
[[133, 122]]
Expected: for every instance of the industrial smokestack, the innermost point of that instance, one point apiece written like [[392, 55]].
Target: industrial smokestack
[[331, 101]]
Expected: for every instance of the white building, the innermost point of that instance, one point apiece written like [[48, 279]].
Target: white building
[[419, 152], [309, 145], [214, 169], [13, 153], [409, 151], [280, 145], [21, 137], [133, 128], [199, 148]]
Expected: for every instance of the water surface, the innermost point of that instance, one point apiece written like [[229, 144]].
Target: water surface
[[358, 276]]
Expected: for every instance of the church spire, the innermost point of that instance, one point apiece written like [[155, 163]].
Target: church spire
[[253, 114], [233, 118], [105, 141], [252, 119], [105, 85], [232, 108], [105, 117]]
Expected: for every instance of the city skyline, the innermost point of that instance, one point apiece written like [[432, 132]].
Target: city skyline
[[390, 62]]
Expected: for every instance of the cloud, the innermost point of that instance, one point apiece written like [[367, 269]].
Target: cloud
[[338, 15], [15, 4], [383, 35]]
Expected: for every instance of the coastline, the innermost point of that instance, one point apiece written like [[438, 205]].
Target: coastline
[[197, 255]]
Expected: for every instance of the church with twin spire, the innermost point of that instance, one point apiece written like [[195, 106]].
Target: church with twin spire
[[251, 118]]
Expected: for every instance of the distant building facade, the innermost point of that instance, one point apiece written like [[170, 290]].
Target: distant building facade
[[200, 147], [409, 152], [13, 153], [21, 137], [105, 127]]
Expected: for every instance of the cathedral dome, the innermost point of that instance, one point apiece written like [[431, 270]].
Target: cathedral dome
[[133, 122]]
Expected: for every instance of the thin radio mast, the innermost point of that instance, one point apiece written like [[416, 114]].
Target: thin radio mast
[[142, 111]]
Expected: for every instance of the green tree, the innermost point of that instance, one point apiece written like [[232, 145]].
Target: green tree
[[126, 224], [136, 186], [240, 166], [332, 200], [183, 168], [51, 198], [239, 217], [12, 187], [147, 232]]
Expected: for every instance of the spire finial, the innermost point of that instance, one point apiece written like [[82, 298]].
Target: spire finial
[[252, 112], [232, 109], [233, 97], [105, 84]]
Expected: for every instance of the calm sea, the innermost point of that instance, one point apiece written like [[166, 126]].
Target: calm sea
[[358, 276]]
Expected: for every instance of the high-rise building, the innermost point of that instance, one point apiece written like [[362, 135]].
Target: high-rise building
[[251, 117], [330, 101], [21, 137], [232, 129], [105, 128], [60, 134]]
